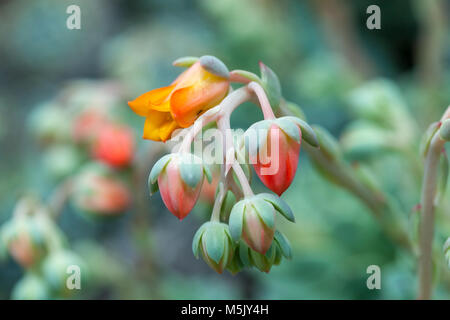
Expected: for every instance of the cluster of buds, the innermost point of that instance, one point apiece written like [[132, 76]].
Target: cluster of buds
[[242, 231], [95, 150], [34, 241]]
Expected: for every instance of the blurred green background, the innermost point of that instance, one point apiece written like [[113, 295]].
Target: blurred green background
[[328, 62]]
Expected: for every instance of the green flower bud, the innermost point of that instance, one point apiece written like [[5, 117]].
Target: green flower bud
[[213, 240]]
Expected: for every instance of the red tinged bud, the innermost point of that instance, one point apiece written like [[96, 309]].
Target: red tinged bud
[[274, 147], [177, 196], [99, 192], [179, 178], [87, 125], [114, 145]]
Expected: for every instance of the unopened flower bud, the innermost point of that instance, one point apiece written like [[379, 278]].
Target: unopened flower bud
[[98, 191], [274, 147], [253, 219], [179, 177], [28, 236], [214, 241], [114, 145]]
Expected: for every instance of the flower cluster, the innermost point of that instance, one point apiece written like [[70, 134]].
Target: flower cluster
[[86, 141], [36, 243], [242, 231]]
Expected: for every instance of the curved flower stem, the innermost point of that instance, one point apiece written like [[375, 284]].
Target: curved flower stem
[[215, 216], [429, 187], [242, 179], [59, 198], [208, 117], [263, 100]]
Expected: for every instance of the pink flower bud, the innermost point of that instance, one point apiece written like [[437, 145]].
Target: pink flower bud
[[277, 160], [114, 145], [253, 219], [98, 191], [180, 179], [255, 232]]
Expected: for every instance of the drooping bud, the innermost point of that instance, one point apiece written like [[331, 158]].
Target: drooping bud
[[274, 147], [179, 177], [98, 191], [114, 145], [214, 241], [29, 235], [253, 219]]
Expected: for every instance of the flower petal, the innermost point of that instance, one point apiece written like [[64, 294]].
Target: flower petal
[[152, 100], [155, 120], [187, 103]]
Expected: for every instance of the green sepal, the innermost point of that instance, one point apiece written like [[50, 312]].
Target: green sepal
[[284, 244], [444, 131], [235, 265], [443, 177], [236, 220], [207, 172], [227, 205], [290, 128], [158, 167], [191, 169], [215, 66], [214, 238], [427, 136], [271, 85], [247, 75], [197, 238], [185, 61], [244, 254], [308, 133], [265, 211], [263, 262], [279, 205]]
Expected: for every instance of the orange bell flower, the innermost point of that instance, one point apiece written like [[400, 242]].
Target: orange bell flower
[[196, 90]]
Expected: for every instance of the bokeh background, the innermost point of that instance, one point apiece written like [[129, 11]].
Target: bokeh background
[[328, 62]]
